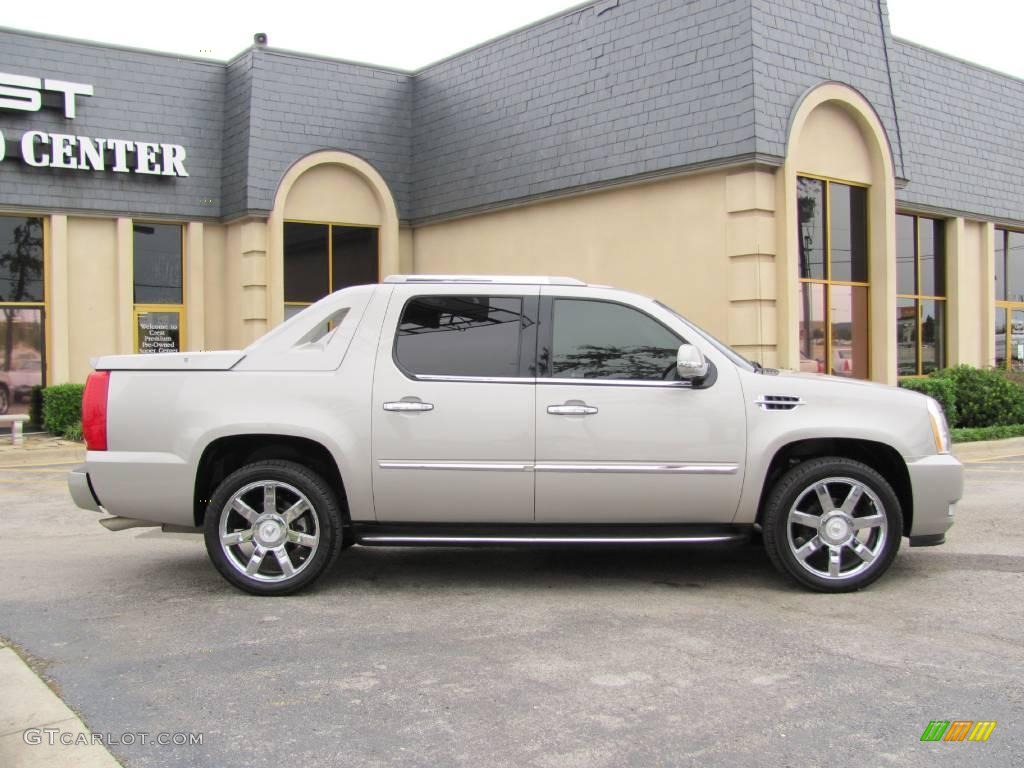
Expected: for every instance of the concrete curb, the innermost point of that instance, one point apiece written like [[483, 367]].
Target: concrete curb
[[29, 704], [37, 451], [989, 449]]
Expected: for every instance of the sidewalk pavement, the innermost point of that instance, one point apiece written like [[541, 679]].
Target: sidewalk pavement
[[40, 449], [988, 450], [27, 706]]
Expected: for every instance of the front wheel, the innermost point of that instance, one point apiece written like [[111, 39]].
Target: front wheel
[[273, 527], [833, 524]]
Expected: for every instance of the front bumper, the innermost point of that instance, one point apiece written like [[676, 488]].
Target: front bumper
[[937, 484], [81, 489]]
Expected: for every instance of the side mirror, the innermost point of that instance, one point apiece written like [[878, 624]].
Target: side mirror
[[691, 364]]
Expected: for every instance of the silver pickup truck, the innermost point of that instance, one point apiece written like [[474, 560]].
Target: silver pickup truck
[[455, 411]]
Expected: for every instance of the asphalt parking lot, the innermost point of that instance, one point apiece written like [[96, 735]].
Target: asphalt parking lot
[[523, 657]]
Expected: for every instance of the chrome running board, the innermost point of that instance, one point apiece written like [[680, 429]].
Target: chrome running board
[[460, 535]]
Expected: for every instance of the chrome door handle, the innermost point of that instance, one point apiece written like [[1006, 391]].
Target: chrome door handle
[[408, 406], [571, 410]]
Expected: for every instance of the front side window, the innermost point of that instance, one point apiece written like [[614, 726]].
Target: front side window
[[1009, 288], [832, 295], [604, 340], [474, 336], [22, 311], [921, 295], [322, 258], [158, 260]]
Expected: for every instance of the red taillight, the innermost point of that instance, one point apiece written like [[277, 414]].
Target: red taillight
[[94, 411]]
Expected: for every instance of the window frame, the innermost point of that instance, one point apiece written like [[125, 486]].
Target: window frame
[[827, 282], [43, 305], [919, 297], [546, 340], [148, 308], [528, 349], [330, 254], [1009, 307]]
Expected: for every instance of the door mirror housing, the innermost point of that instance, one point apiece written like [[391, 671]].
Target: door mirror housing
[[691, 365]]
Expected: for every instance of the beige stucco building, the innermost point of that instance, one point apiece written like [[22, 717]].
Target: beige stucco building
[[800, 223]]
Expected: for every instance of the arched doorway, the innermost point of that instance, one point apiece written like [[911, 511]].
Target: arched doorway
[[837, 271], [334, 224]]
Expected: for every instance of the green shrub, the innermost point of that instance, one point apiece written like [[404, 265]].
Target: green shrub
[[74, 432], [987, 433], [984, 397], [35, 406], [941, 389], [62, 407]]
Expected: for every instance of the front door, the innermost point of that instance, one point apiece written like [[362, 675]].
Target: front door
[[619, 438], [453, 404]]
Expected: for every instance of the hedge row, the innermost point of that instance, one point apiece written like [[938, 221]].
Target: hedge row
[[62, 409], [974, 397]]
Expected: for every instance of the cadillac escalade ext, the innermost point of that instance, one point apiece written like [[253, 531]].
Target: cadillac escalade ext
[[499, 411]]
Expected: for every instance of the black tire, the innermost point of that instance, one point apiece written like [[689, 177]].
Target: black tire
[[323, 521], [5, 400], [869, 551]]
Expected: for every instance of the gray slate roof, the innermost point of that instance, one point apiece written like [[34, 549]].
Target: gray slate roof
[[608, 91]]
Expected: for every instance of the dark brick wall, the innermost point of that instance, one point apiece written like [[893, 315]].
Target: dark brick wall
[[801, 43], [237, 130], [606, 92], [141, 96], [963, 131], [302, 104], [612, 90]]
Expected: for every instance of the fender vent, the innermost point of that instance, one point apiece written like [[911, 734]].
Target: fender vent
[[778, 402]]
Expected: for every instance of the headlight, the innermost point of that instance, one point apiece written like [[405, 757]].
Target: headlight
[[940, 429]]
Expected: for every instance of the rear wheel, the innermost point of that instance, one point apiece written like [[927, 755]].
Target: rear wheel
[[273, 527], [833, 524], [5, 400]]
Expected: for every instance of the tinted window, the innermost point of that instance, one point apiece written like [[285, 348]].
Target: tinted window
[[21, 259], [906, 255], [157, 263], [811, 205], [460, 336], [306, 271], [849, 233], [354, 254], [601, 340]]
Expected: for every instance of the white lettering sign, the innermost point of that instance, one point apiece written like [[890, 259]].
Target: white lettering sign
[[84, 153], [25, 94], [80, 153]]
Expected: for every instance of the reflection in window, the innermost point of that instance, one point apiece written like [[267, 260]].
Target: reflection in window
[[22, 312], [833, 290], [1009, 288], [811, 209], [21, 259], [601, 340], [22, 356], [461, 336], [921, 290], [157, 263]]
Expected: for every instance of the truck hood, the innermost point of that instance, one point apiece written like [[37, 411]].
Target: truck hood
[[171, 361]]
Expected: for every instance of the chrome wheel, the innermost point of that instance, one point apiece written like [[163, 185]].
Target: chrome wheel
[[837, 528], [269, 531]]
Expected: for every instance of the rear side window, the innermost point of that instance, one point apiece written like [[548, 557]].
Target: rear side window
[[476, 336], [603, 340]]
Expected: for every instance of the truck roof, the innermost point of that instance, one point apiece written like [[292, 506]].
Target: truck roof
[[490, 279]]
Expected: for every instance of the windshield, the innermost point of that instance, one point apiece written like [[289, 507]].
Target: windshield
[[729, 352]]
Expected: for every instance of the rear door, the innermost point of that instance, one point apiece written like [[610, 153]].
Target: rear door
[[453, 405]]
